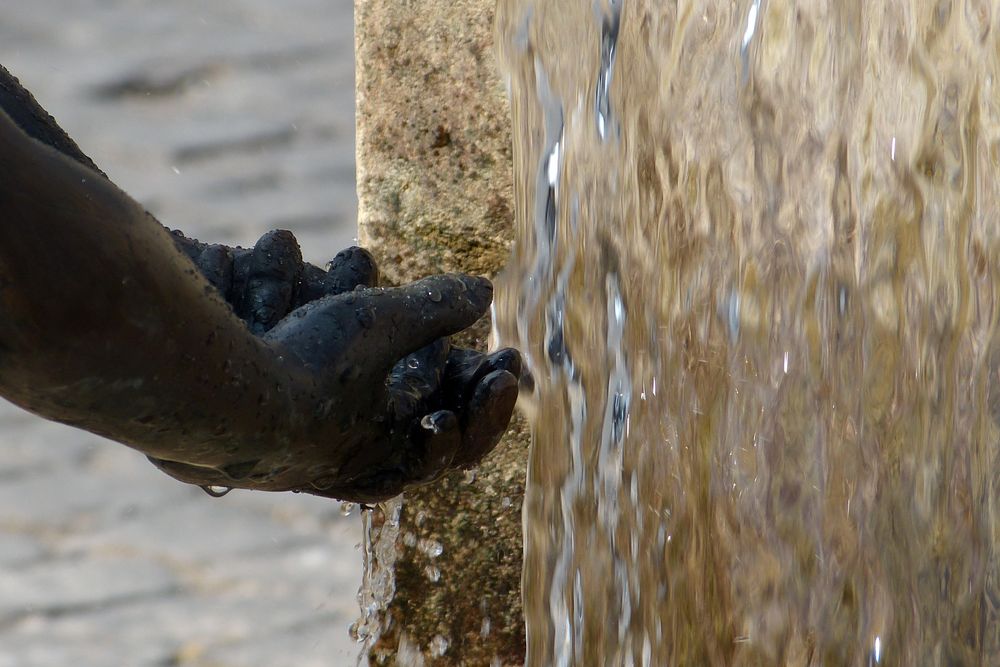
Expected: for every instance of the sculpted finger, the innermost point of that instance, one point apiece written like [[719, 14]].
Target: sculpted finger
[[272, 270], [351, 268], [466, 368], [423, 311], [506, 359], [463, 368], [359, 336], [487, 416], [216, 263], [400, 320], [312, 286], [428, 309], [415, 378], [444, 438]]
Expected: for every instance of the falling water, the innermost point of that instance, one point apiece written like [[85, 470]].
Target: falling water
[[756, 276], [380, 530]]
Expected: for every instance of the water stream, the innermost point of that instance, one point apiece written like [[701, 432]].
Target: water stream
[[756, 279]]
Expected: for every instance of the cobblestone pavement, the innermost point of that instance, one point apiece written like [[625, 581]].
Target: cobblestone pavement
[[226, 119]]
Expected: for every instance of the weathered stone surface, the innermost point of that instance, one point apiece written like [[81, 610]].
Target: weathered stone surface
[[434, 194], [433, 137]]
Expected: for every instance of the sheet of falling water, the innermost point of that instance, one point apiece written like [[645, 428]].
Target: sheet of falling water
[[756, 274]]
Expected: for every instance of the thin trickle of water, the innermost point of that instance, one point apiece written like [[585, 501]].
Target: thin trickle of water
[[755, 279], [609, 41], [380, 530]]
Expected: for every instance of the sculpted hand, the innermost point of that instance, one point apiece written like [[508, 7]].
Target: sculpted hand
[[413, 406], [333, 386], [404, 404], [264, 283]]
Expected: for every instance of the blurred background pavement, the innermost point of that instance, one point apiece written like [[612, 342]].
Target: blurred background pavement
[[226, 119]]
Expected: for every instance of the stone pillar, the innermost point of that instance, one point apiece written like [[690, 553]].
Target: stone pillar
[[435, 193]]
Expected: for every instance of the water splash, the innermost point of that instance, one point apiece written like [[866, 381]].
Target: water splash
[[439, 646], [755, 281], [380, 529]]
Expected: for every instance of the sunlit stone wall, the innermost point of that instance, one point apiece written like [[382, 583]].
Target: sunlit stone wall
[[434, 190]]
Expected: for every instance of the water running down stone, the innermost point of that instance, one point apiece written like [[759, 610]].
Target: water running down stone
[[756, 282]]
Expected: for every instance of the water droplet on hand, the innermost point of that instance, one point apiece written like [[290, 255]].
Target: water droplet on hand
[[429, 423]]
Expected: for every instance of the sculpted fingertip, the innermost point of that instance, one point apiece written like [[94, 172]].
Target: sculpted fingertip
[[354, 264], [361, 255], [277, 254], [508, 359], [489, 414], [479, 290], [216, 264], [501, 387]]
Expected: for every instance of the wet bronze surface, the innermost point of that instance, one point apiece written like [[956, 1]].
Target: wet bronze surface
[[108, 326]]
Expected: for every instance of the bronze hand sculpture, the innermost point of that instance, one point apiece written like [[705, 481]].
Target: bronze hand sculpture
[[229, 367]]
